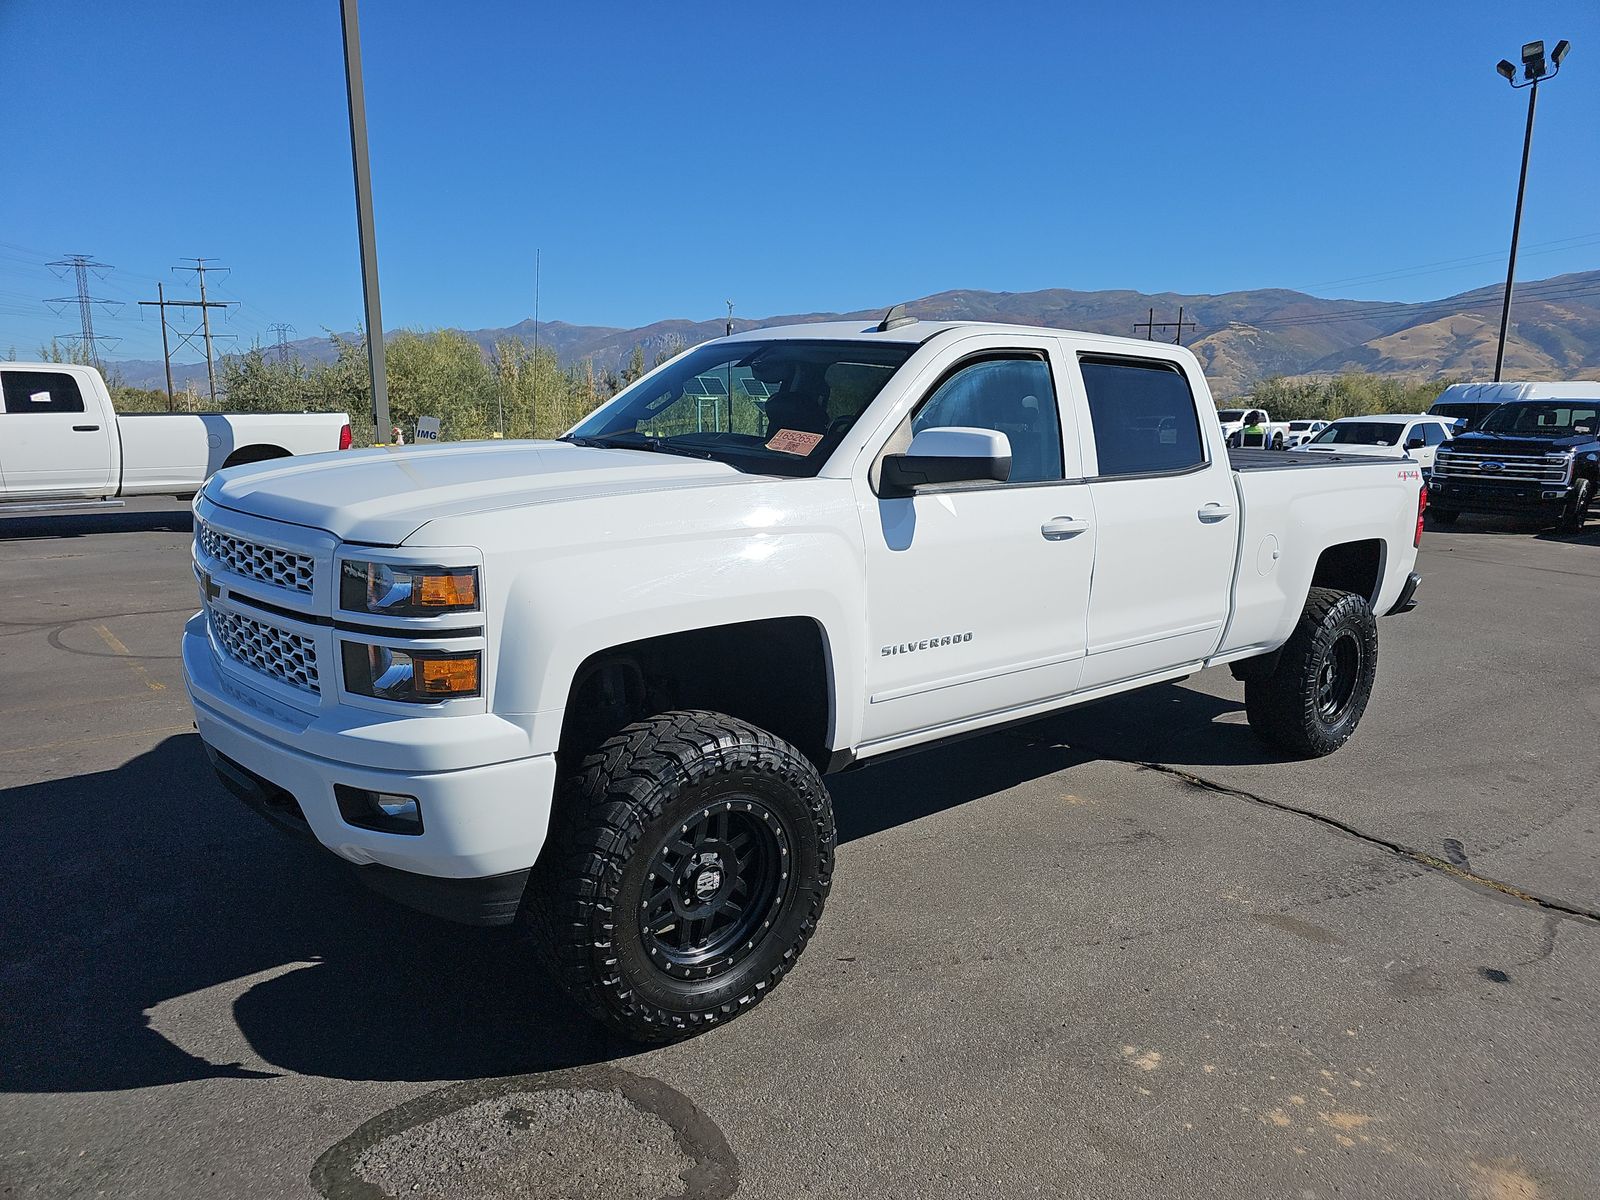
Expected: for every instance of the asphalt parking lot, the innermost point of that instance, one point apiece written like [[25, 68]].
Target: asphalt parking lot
[[1120, 952]]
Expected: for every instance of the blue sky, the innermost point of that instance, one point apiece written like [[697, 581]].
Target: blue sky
[[793, 158]]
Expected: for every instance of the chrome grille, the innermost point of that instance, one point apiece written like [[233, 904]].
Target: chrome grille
[[1513, 468], [264, 564], [287, 657]]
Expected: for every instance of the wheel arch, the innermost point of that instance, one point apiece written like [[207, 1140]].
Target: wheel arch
[[1355, 566], [256, 452], [776, 673]]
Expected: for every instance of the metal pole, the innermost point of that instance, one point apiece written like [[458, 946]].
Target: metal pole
[[205, 322], [1516, 230], [356, 95], [166, 354]]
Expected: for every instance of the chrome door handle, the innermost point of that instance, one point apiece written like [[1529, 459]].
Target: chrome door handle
[[1212, 513], [1059, 529]]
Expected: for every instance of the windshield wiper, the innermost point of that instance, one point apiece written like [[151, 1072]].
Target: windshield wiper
[[632, 440]]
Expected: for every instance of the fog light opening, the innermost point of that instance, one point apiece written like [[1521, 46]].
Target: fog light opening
[[382, 812]]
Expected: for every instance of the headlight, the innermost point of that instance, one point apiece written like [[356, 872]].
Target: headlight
[[414, 676], [390, 590]]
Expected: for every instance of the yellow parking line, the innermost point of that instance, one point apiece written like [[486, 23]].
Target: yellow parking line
[[112, 640], [90, 741]]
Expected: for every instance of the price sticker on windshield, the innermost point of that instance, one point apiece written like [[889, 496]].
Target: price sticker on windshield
[[793, 441]]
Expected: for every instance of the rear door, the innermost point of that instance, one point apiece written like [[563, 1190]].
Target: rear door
[[54, 438], [1166, 519], [977, 592]]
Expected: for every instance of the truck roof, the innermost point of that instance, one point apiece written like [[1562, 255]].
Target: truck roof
[[918, 331]]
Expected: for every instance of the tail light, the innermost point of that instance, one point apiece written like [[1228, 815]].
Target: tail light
[[344, 437], [1422, 507]]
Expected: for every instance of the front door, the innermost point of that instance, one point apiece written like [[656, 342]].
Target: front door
[[977, 592], [51, 443]]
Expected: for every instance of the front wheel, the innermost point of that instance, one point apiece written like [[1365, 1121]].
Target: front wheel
[[1313, 700], [1577, 510], [690, 866]]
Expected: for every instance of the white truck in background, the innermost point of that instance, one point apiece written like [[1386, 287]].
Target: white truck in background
[[62, 444], [1252, 429], [592, 684]]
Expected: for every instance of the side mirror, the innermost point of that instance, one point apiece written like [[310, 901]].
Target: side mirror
[[1416, 442], [951, 455]]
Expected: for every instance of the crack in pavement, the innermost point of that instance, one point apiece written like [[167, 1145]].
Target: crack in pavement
[[1432, 862]]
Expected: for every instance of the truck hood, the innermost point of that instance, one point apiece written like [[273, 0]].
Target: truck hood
[[1517, 443], [1353, 448], [384, 496]]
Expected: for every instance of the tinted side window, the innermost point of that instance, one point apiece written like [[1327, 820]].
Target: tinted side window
[[1433, 435], [1012, 395], [1143, 415], [41, 392]]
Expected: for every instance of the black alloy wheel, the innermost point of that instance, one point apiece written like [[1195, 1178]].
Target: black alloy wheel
[[714, 887], [1338, 677]]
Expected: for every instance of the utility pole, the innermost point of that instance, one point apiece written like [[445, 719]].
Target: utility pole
[[166, 350], [80, 265], [1152, 325], [205, 306], [282, 332], [187, 337], [533, 415], [727, 330], [356, 98]]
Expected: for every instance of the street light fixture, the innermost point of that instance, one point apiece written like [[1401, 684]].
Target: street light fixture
[[1534, 69]]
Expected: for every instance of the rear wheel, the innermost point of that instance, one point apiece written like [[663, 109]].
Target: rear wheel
[[689, 871], [1577, 510], [1313, 700]]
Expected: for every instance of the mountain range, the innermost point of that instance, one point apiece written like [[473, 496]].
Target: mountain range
[[1240, 337]]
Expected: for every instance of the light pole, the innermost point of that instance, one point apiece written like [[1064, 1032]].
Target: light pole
[[355, 93], [1534, 69]]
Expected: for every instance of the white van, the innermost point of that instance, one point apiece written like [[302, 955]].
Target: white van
[[1469, 403]]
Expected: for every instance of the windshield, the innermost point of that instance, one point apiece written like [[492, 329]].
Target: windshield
[[1467, 408], [1230, 414], [1359, 433], [1549, 420], [1298, 426], [777, 407]]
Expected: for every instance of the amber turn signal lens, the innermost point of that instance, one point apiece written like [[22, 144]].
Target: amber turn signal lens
[[454, 589], [456, 675]]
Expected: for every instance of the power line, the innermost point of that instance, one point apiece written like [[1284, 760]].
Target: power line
[[80, 265]]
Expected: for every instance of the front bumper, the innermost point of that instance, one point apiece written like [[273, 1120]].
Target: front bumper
[[1516, 498], [481, 824]]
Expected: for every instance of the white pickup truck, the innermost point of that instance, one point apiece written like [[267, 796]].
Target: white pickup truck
[[62, 443], [1253, 427], [593, 684]]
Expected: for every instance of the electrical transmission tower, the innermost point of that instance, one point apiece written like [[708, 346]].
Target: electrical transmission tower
[[186, 336], [205, 306], [80, 265], [1152, 325], [281, 332]]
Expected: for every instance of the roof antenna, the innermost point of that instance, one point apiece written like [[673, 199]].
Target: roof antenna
[[895, 318]]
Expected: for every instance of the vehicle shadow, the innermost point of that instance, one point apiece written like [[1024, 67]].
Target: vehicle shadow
[[178, 519], [133, 890]]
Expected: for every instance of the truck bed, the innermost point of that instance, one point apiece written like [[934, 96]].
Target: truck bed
[[1248, 459]]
